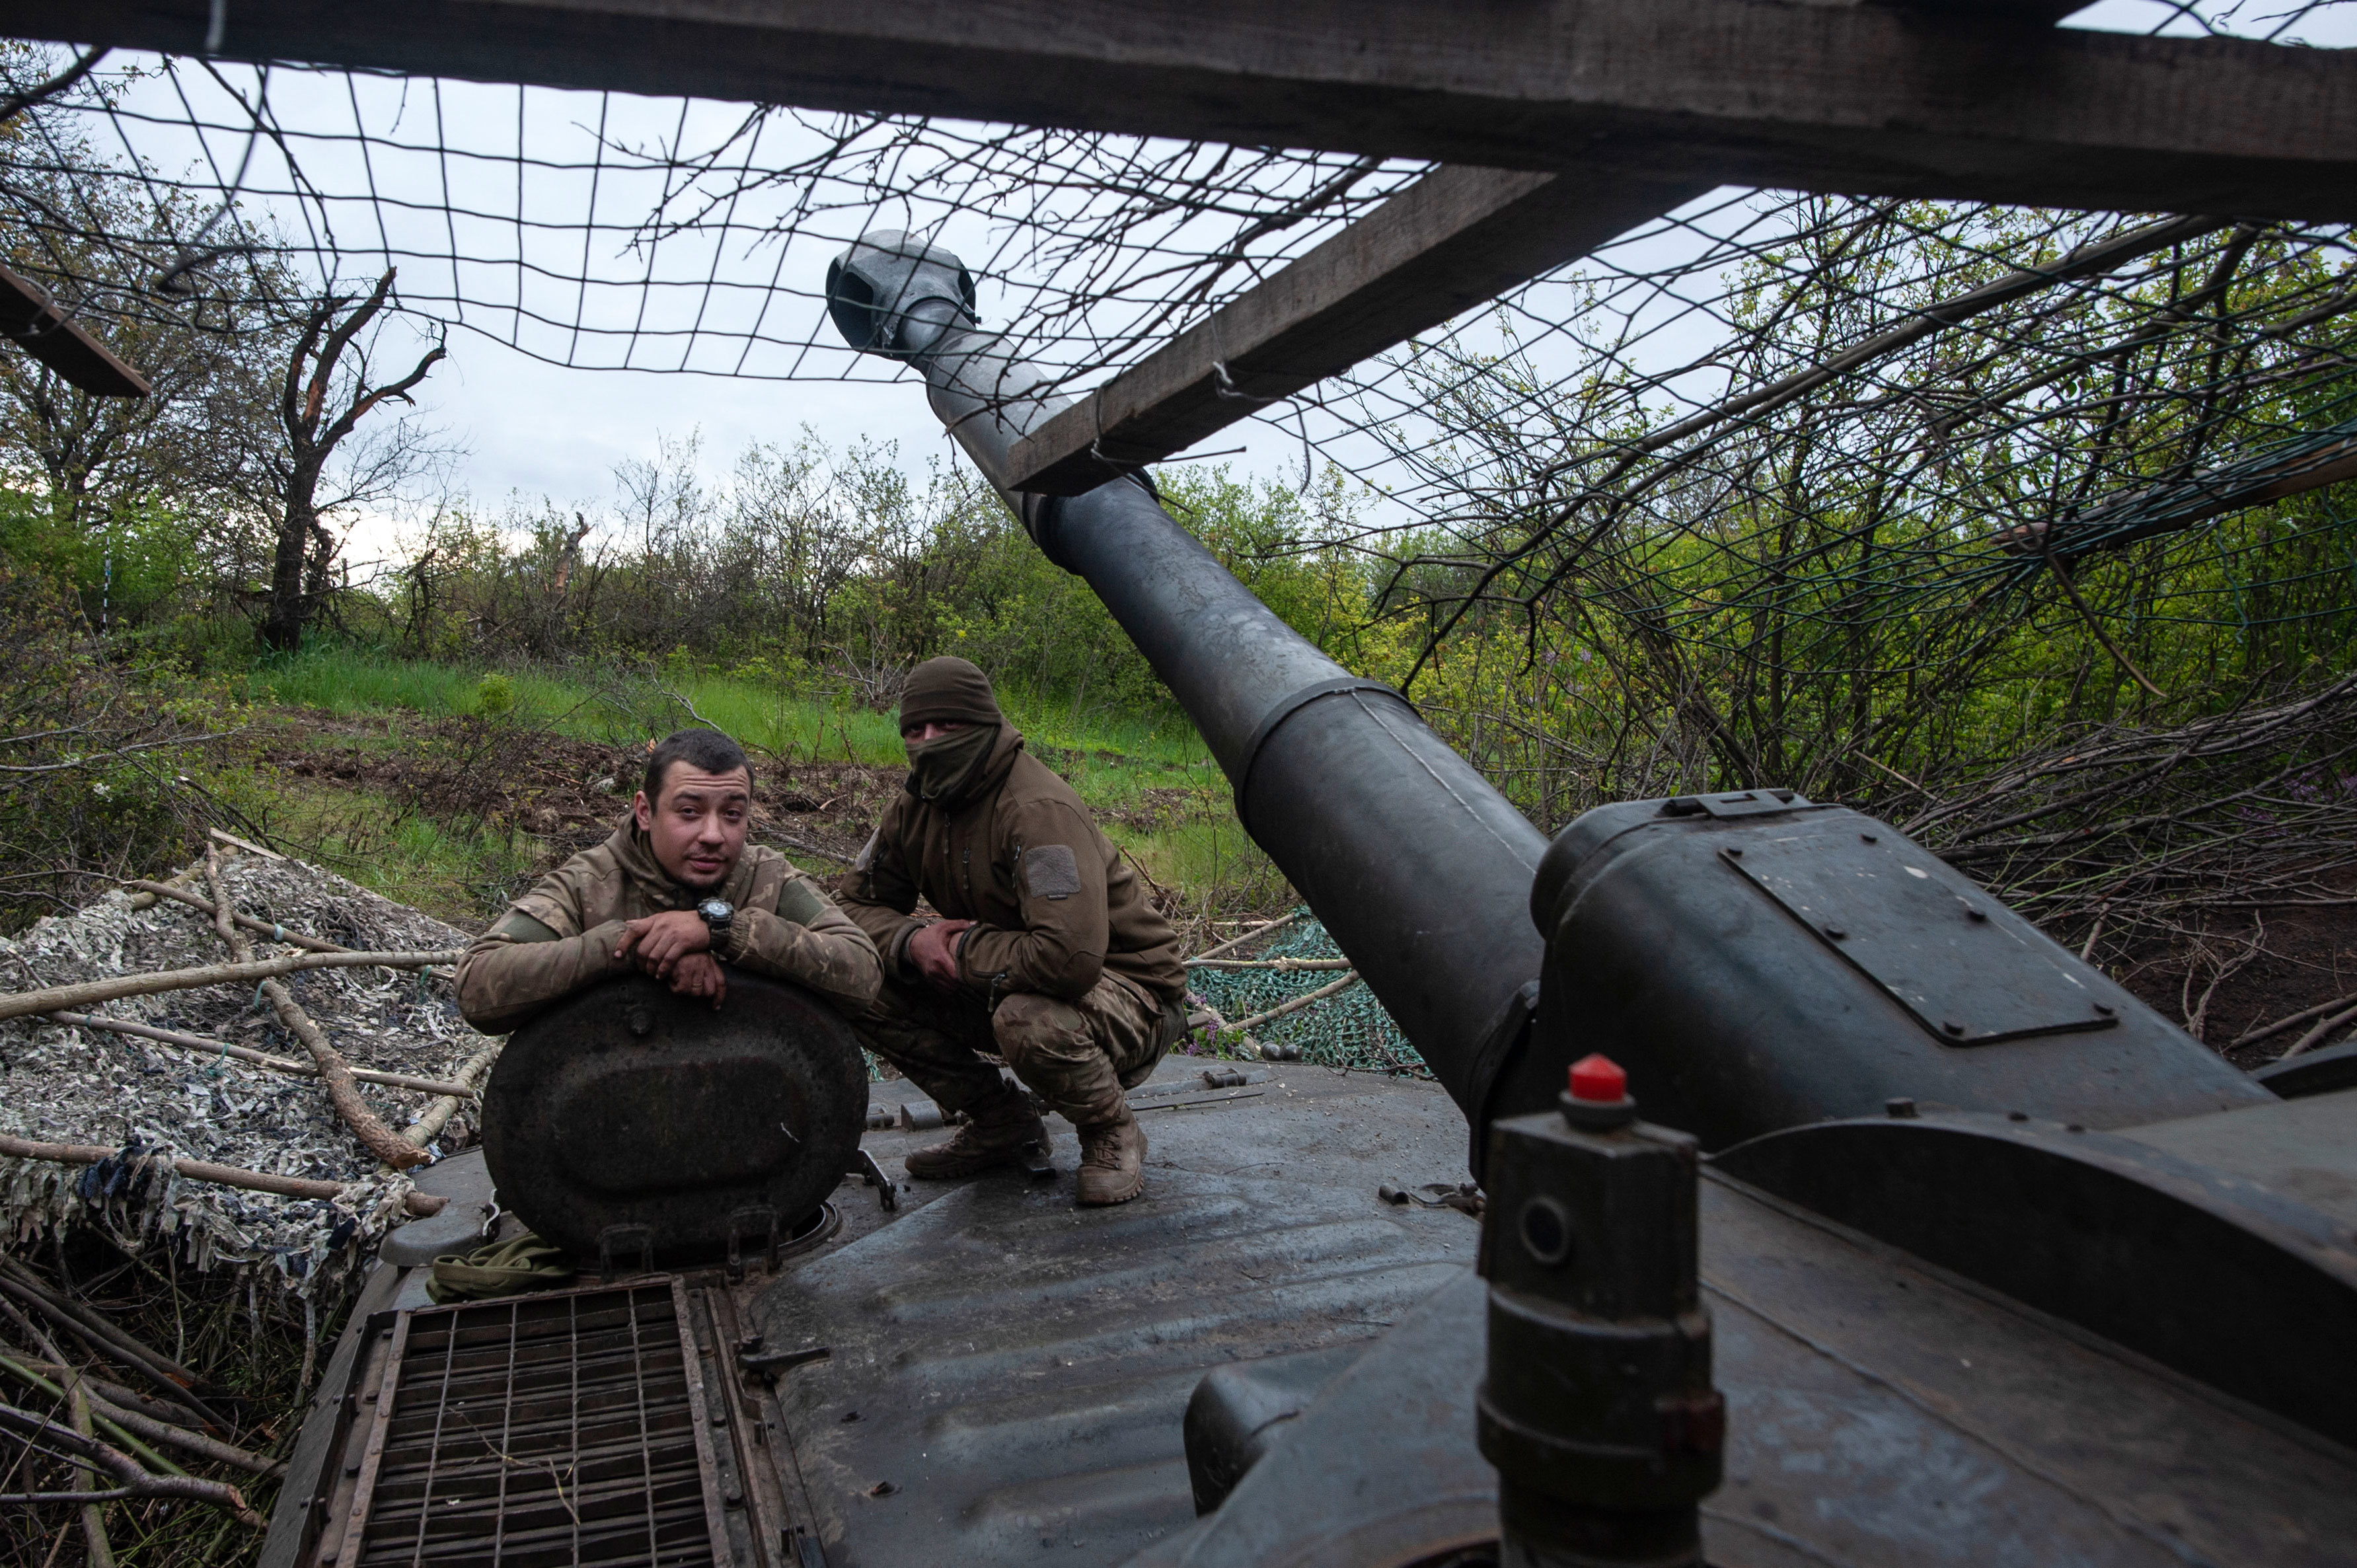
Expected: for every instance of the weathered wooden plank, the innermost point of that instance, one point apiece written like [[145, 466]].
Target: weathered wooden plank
[[1456, 238], [31, 319], [1944, 101]]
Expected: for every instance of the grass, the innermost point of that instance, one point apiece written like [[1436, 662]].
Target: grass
[[1108, 756], [1150, 766], [1215, 870], [406, 855]]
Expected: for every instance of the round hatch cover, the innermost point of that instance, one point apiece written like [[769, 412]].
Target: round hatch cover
[[628, 1105]]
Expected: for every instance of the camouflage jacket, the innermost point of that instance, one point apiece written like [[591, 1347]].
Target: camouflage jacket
[[1053, 903], [560, 936]]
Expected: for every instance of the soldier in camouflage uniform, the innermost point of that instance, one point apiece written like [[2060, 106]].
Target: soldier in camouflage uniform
[[1046, 953], [675, 892]]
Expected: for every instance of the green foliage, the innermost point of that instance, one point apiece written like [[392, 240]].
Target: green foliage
[[457, 871], [1844, 591], [106, 776], [786, 607], [125, 567], [494, 694]]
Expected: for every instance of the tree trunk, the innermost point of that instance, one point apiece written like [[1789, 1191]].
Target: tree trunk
[[282, 626]]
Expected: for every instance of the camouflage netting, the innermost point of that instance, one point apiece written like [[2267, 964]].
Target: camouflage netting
[[66, 1085], [1348, 1030]]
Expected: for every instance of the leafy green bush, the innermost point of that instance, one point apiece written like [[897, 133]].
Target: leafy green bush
[[104, 776]]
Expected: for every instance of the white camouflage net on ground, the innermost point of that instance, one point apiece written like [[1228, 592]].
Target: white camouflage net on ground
[[64, 1084]]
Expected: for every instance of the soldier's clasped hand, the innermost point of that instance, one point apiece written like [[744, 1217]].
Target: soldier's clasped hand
[[935, 950], [675, 946], [663, 939], [700, 974]]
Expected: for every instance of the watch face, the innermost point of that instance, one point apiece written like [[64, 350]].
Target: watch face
[[717, 911]]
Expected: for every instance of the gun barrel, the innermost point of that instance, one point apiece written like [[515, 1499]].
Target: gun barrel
[[1418, 867]]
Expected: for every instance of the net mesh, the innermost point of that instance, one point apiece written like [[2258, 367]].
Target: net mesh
[[1349, 1030], [1905, 503]]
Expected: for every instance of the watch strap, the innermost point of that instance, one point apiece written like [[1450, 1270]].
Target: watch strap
[[731, 941]]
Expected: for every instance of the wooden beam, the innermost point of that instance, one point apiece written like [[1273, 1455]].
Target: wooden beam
[[2006, 13], [1456, 238], [1863, 99], [29, 317]]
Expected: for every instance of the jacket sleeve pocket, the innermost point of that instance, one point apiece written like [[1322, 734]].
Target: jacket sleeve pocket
[[1050, 872]]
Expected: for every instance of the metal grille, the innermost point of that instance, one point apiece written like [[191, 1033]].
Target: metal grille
[[554, 1429]]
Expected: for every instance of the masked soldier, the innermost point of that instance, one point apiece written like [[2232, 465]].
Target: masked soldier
[[676, 892], [1046, 955]]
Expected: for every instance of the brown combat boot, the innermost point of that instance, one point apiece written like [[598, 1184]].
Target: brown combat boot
[[1113, 1160], [993, 1135]]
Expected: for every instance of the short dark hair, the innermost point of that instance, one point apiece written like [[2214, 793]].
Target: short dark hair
[[706, 751]]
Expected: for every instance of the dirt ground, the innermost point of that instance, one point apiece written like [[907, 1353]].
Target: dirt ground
[[2266, 964], [569, 793]]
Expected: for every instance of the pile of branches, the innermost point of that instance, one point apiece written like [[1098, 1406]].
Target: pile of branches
[[102, 1433], [2126, 840], [199, 1121], [105, 1435]]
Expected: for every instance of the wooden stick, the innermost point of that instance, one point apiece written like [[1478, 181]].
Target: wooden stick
[[2253, 1036], [134, 1479], [343, 1090], [218, 836], [1261, 929], [171, 1436], [1281, 965], [93, 1514], [258, 927], [108, 1341], [2318, 1035], [88, 992], [120, 1342], [436, 1116], [1299, 1003], [100, 1411], [132, 1399], [204, 1047], [335, 1072], [420, 1203]]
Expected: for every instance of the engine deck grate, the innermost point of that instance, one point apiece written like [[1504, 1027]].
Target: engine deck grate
[[557, 1429]]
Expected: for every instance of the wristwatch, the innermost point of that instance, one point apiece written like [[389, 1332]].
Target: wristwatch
[[718, 913]]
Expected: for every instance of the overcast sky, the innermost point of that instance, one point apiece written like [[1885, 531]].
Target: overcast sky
[[535, 429]]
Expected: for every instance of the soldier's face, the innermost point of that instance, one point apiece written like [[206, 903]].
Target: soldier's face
[[697, 825], [932, 729]]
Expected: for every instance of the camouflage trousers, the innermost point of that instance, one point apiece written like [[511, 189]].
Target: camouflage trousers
[[1076, 1055]]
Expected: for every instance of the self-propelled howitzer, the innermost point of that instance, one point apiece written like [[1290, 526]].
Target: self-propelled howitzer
[[1839, 1020], [1830, 1212]]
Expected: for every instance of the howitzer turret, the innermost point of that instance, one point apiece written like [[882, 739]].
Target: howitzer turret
[[1838, 968], [1823, 1005]]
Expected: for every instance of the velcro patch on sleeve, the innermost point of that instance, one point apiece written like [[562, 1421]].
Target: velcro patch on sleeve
[[799, 902], [1050, 872], [519, 927]]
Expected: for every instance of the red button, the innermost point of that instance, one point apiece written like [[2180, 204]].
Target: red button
[[1598, 1077]]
